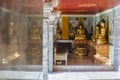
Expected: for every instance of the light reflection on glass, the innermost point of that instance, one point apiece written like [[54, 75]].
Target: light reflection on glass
[[7, 59]]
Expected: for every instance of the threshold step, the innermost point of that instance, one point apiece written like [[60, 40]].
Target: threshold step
[[84, 76], [20, 75], [83, 68]]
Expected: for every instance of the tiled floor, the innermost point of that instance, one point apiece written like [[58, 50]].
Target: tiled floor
[[84, 63], [74, 59]]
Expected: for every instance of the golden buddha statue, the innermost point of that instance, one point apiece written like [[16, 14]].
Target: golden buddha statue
[[35, 30], [80, 34], [97, 32], [34, 45], [101, 39], [35, 34], [95, 37], [102, 30]]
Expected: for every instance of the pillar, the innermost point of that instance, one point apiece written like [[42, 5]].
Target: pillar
[[51, 48], [65, 30], [45, 50]]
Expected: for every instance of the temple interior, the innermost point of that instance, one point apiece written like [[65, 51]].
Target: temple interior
[[84, 34], [83, 42]]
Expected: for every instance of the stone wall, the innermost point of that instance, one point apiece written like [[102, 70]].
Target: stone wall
[[117, 38]]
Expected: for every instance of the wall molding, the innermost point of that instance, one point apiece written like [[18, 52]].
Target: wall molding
[[104, 12], [18, 14], [76, 15]]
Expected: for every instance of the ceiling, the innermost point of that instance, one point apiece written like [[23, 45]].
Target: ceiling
[[22, 6], [85, 6], [65, 6]]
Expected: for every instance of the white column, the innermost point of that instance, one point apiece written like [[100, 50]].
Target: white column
[[46, 12], [51, 42], [45, 50]]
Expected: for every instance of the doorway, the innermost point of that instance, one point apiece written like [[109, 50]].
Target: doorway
[[83, 50]]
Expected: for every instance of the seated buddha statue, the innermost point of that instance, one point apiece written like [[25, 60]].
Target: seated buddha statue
[[35, 30], [97, 32], [35, 34], [101, 39], [95, 37], [80, 34]]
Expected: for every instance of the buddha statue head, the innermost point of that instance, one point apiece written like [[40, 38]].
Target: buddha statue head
[[102, 19], [80, 27]]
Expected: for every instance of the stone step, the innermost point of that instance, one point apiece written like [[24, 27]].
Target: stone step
[[84, 76], [20, 75], [87, 68], [28, 75]]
